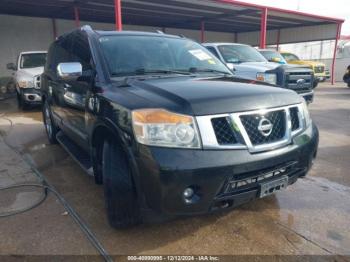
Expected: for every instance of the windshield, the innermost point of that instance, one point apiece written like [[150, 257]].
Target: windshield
[[270, 55], [33, 60], [133, 55], [290, 57], [240, 54]]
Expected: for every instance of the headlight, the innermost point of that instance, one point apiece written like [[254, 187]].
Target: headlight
[[306, 114], [25, 84], [158, 127], [268, 78]]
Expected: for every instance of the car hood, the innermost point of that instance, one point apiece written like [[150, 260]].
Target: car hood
[[30, 72], [256, 66], [205, 96]]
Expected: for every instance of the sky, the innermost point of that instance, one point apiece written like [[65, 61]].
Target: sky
[[332, 8]]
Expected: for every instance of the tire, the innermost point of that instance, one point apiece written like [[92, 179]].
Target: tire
[[315, 84], [22, 105], [50, 126], [349, 84], [120, 195]]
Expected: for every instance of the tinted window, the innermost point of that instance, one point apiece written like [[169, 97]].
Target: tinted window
[[81, 51], [50, 58], [63, 51], [213, 51], [126, 55], [32, 60]]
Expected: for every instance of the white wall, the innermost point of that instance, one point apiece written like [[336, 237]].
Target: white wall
[[20, 33]]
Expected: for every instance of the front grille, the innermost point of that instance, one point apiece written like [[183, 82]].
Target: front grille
[[300, 82], [250, 180], [252, 122], [223, 131], [319, 69], [294, 117]]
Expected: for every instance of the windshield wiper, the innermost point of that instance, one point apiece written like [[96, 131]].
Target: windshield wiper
[[207, 70], [143, 71]]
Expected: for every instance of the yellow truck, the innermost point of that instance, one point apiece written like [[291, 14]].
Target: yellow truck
[[318, 67]]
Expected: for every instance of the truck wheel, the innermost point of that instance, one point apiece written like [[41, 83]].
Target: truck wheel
[[120, 194], [22, 104], [50, 127], [315, 84]]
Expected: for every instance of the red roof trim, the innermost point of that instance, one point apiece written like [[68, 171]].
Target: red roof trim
[[239, 3]]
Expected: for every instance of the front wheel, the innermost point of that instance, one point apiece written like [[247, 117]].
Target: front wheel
[[50, 127], [120, 194]]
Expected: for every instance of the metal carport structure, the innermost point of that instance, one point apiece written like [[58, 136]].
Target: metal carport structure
[[249, 23]]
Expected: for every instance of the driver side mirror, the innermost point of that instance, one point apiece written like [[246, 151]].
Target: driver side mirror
[[69, 71], [11, 66]]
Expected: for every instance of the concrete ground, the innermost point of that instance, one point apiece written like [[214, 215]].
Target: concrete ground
[[311, 217]]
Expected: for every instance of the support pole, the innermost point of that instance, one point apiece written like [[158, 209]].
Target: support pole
[[202, 31], [76, 16], [278, 39], [54, 28], [263, 27], [335, 52], [118, 15]]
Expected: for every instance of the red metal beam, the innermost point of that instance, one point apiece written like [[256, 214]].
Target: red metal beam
[[76, 16], [118, 15], [202, 31], [278, 39], [335, 51], [263, 27]]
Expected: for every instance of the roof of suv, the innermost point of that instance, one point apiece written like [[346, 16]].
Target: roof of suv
[[135, 33]]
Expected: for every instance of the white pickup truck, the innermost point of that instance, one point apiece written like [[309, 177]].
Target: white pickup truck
[[28, 70]]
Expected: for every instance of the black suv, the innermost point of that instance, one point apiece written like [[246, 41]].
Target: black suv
[[166, 127]]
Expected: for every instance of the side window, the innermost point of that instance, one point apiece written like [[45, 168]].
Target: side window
[[62, 52], [49, 65], [213, 51], [81, 51]]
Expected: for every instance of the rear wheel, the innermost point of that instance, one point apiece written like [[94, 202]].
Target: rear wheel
[[120, 194], [50, 127]]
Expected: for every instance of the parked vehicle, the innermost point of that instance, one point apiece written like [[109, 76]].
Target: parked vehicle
[[273, 56], [346, 76], [167, 128], [318, 67], [29, 67], [246, 62]]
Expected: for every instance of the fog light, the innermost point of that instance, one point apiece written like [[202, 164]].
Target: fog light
[[188, 193]]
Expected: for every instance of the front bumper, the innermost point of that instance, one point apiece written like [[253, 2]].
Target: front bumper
[[165, 173], [32, 95]]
